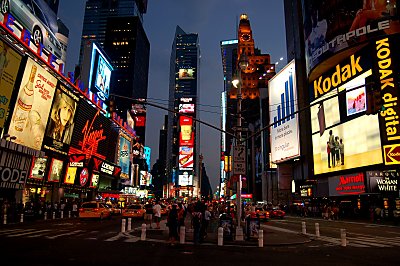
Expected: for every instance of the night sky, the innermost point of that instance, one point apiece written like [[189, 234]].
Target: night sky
[[214, 21]]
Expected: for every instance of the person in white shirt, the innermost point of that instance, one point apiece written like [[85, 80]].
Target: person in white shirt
[[157, 214]]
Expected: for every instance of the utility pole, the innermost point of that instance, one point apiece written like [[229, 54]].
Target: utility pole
[[200, 172], [243, 64]]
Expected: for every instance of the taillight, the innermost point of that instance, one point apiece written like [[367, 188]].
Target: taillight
[[81, 209], [96, 209]]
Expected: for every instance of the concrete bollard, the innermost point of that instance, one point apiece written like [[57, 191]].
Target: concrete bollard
[[54, 215], [22, 218], [69, 214], [62, 214], [220, 236], [303, 228], [5, 219], [123, 225], [45, 215], [143, 235], [182, 235], [260, 238], [317, 230], [343, 237], [129, 224]]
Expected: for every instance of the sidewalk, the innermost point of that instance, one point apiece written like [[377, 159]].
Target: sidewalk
[[271, 237]]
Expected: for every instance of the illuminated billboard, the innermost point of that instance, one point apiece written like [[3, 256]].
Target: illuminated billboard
[[55, 171], [283, 101], [33, 105], [186, 108], [39, 23], [94, 181], [186, 135], [186, 73], [70, 175], [185, 178], [124, 148], [333, 26], [61, 121], [9, 65], [97, 71], [351, 139], [186, 159], [92, 133]]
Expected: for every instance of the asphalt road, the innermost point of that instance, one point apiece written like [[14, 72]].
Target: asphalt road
[[75, 242]]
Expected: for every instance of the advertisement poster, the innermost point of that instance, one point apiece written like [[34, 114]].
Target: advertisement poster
[[186, 158], [186, 135], [143, 178], [332, 26], [38, 168], [94, 181], [186, 108], [56, 168], [70, 175], [9, 65], [33, 105], [123, 158], [185, 178], [84, 177], [351, 139], [283, 102], [103, 77], [186, 73], [61, 121]]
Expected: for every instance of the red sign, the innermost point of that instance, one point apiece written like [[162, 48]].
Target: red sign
[[392, 154], [104, 167], [247, 196], [347, 185], [186, 136], [84, 177], [140, 121]]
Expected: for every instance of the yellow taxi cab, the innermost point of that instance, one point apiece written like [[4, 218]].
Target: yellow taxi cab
[[134, 211], [94, 209], [262, 213]]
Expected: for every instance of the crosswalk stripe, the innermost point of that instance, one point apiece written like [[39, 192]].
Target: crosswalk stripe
[[132, 239], [387, 241], [65, 234], [29, 233], [362, 242], [119, 236], [3, 232]]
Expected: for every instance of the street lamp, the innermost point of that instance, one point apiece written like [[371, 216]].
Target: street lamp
[[243, 64]]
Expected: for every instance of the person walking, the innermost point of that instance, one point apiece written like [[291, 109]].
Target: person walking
[[196, 223], [172, 223], [157, 214], [206, 222], [148, 216]]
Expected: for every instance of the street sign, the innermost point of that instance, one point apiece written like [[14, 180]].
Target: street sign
[[239, 160]]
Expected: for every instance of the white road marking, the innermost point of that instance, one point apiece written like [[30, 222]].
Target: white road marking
[[65, 234], [29, 233]]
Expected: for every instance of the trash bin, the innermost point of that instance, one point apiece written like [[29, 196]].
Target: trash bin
[[252, 226], [226, 222]]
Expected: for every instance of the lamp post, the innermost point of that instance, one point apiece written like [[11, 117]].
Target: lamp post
[[243, 64]]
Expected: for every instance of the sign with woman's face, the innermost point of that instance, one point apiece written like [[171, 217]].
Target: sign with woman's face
[[56, 168]]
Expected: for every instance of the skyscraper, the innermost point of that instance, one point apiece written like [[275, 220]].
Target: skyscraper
[[116, 26], [183, 131]]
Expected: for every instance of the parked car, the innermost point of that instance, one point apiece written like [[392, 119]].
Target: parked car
[[94, 209], [134, 211], [29, 14], [276, 212]]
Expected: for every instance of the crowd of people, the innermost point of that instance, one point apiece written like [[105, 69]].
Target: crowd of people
[[35, 209]]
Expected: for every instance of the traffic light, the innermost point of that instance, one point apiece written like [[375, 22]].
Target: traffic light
[[374, 102]]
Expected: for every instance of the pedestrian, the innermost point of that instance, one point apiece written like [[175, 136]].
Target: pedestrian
[[206, 222], [328, 150], [196, 223], [181, 215], [75, 209], [157, 214], [172, 223], [148, 216]]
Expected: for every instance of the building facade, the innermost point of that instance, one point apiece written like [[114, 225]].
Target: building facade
[[183, 131]]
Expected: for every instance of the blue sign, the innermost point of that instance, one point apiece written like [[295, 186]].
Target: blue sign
[[123, 161]]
